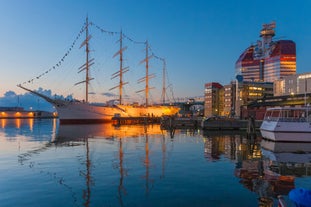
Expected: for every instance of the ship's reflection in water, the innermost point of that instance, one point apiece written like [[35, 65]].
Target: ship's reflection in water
[[116, 135], [106, 165]]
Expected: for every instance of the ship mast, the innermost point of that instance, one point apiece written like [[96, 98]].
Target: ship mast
[[121, 70], [147, 76], [163, 82], [88, 62]]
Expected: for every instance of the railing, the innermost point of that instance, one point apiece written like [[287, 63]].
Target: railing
[[287, 119]]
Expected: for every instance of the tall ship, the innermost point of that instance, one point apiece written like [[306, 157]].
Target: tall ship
[[83, 111]]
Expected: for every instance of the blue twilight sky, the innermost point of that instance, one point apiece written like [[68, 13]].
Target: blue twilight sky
[[200, 39]]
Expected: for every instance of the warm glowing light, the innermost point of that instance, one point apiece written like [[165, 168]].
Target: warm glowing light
[[3, 123], [18, 123], [17, 114], [31, 123]]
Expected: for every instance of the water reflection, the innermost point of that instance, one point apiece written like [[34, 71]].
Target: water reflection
[[230, 144], [67, 134], [267, 168], [34, 129], [120, 166]]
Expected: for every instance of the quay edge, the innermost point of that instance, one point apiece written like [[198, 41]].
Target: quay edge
[[211, 123]]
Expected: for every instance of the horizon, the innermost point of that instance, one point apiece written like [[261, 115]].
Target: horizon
[[200, 41]]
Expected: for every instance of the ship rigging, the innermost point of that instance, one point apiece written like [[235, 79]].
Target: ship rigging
[[74, 111]]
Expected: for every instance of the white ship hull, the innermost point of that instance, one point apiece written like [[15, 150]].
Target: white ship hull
[[80, 112]]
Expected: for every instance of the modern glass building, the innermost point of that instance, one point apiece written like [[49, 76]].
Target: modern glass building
[[267, 60]]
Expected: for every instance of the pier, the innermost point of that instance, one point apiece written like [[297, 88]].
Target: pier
[[212, 123], [20, 113], [218, 123], [136, 120], [172, 122]]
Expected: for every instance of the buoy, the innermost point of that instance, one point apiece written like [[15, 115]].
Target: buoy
[[301, 197]]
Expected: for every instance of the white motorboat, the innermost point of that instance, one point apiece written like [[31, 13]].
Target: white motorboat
[[287, 124]]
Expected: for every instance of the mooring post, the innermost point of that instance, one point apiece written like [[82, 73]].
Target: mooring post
[[251, 130]]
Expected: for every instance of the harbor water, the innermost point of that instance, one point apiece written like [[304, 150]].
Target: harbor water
[[46, 164]]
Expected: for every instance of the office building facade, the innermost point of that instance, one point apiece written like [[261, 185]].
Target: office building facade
[[213, 99], [229, 99], [293, 85], [267, 60]]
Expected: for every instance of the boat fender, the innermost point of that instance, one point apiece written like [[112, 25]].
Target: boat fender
[[301, 197]]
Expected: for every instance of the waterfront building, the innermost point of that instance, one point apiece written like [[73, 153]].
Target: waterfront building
[[258, 107], [249, 91], [229, 99], [267, 60], [214, 99], [293, 85]]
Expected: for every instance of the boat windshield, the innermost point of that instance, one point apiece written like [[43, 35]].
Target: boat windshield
[[273, 115], [290, 114]]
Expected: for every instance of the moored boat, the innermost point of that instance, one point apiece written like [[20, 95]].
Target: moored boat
[[287, 124], [74, 111]]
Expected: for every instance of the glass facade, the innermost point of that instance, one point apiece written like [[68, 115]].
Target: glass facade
[[280, 62]]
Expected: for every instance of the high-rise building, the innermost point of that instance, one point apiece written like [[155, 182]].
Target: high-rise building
[[229, 99], [267, 60], [249, 91], [214, 99]]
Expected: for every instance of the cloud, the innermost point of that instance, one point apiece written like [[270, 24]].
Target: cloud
[[9, 94], [109, 94], [27, 100]]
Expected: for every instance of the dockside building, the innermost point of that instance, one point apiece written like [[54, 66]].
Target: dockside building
[[267, 60], [262, 64]]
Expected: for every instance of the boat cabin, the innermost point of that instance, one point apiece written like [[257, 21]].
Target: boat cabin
[[288, 114]]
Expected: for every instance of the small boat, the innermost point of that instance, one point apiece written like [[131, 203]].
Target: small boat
[[287, 124]]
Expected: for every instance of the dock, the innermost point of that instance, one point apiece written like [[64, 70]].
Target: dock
[[212, 123], [172, 122], [20, 113], [136, 120], [215, 123]]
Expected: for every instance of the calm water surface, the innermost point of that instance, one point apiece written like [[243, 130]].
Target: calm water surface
[[43, 163]]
